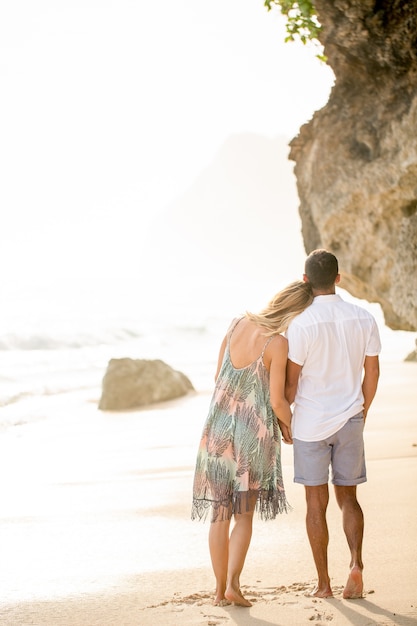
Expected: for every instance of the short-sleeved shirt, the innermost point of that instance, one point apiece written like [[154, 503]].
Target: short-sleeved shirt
[[330, 340]]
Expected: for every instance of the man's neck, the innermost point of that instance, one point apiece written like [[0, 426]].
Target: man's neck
[[324, 292]]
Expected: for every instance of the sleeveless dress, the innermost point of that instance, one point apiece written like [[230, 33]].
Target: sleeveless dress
[[239, 456]]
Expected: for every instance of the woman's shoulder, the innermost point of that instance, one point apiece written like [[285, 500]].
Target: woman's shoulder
[[235, 321], [277, 343], [280, 339]]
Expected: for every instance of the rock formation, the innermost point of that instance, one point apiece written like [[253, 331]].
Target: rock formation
[[356, 160], [413, 355], [131, 383]]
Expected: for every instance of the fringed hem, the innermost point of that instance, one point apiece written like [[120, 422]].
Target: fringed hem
[[268, 505]]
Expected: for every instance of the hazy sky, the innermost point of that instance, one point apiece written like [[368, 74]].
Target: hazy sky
[[111, 108]]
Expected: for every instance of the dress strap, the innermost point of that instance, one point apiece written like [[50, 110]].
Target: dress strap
[[232, 326], [268, 341]]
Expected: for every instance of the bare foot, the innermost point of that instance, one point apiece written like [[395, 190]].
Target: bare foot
[[354, 585], [236, 597], [320, 592], [220, 602]]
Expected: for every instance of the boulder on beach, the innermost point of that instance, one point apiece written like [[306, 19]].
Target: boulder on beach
[[131, 383], [413, 355]]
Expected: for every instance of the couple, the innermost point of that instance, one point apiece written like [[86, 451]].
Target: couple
[[327, 365]]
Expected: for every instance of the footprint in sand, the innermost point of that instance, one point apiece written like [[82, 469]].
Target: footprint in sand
[[321, 617], [214, 620]]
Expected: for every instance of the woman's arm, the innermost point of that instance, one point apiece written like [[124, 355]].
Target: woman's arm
[[291, 383], [279, 403], [220, 357]]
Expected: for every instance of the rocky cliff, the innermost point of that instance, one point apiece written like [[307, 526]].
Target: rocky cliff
[[356, 160]]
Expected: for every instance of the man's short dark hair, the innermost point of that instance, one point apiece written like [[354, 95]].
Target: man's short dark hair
[[321, 269]]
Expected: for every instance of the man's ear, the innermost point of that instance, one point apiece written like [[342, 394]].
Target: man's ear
[[337, 279], [305, 278]]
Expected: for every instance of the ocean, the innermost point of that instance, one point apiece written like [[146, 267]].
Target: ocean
[[42, 362]]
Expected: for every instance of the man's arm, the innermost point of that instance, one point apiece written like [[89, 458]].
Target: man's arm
[[370, 381], [293, 373]]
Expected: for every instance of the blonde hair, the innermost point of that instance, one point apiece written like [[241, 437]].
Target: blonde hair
[[284, 306]]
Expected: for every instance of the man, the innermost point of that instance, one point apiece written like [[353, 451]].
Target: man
[[332, 377]]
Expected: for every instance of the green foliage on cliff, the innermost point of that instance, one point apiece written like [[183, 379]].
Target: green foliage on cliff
[[302, 22]]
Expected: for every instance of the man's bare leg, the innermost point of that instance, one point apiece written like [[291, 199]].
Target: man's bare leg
[[317, 500], [353, 525]]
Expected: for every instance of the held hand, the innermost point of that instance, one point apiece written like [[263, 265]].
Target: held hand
[[286, 432]]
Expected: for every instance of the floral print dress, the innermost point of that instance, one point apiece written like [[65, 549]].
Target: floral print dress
[[239, 457]]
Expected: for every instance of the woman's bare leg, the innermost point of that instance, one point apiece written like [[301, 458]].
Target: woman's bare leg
[[219, 553], [238, 547]]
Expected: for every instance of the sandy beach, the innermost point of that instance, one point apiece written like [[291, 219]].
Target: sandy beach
[[96, 530]]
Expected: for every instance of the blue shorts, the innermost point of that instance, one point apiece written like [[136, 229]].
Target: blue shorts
[[344, 452]]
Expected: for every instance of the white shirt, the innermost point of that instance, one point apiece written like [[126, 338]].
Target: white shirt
[[330, 340]]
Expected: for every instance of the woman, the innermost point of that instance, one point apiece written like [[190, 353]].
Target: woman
[[238, 466]]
